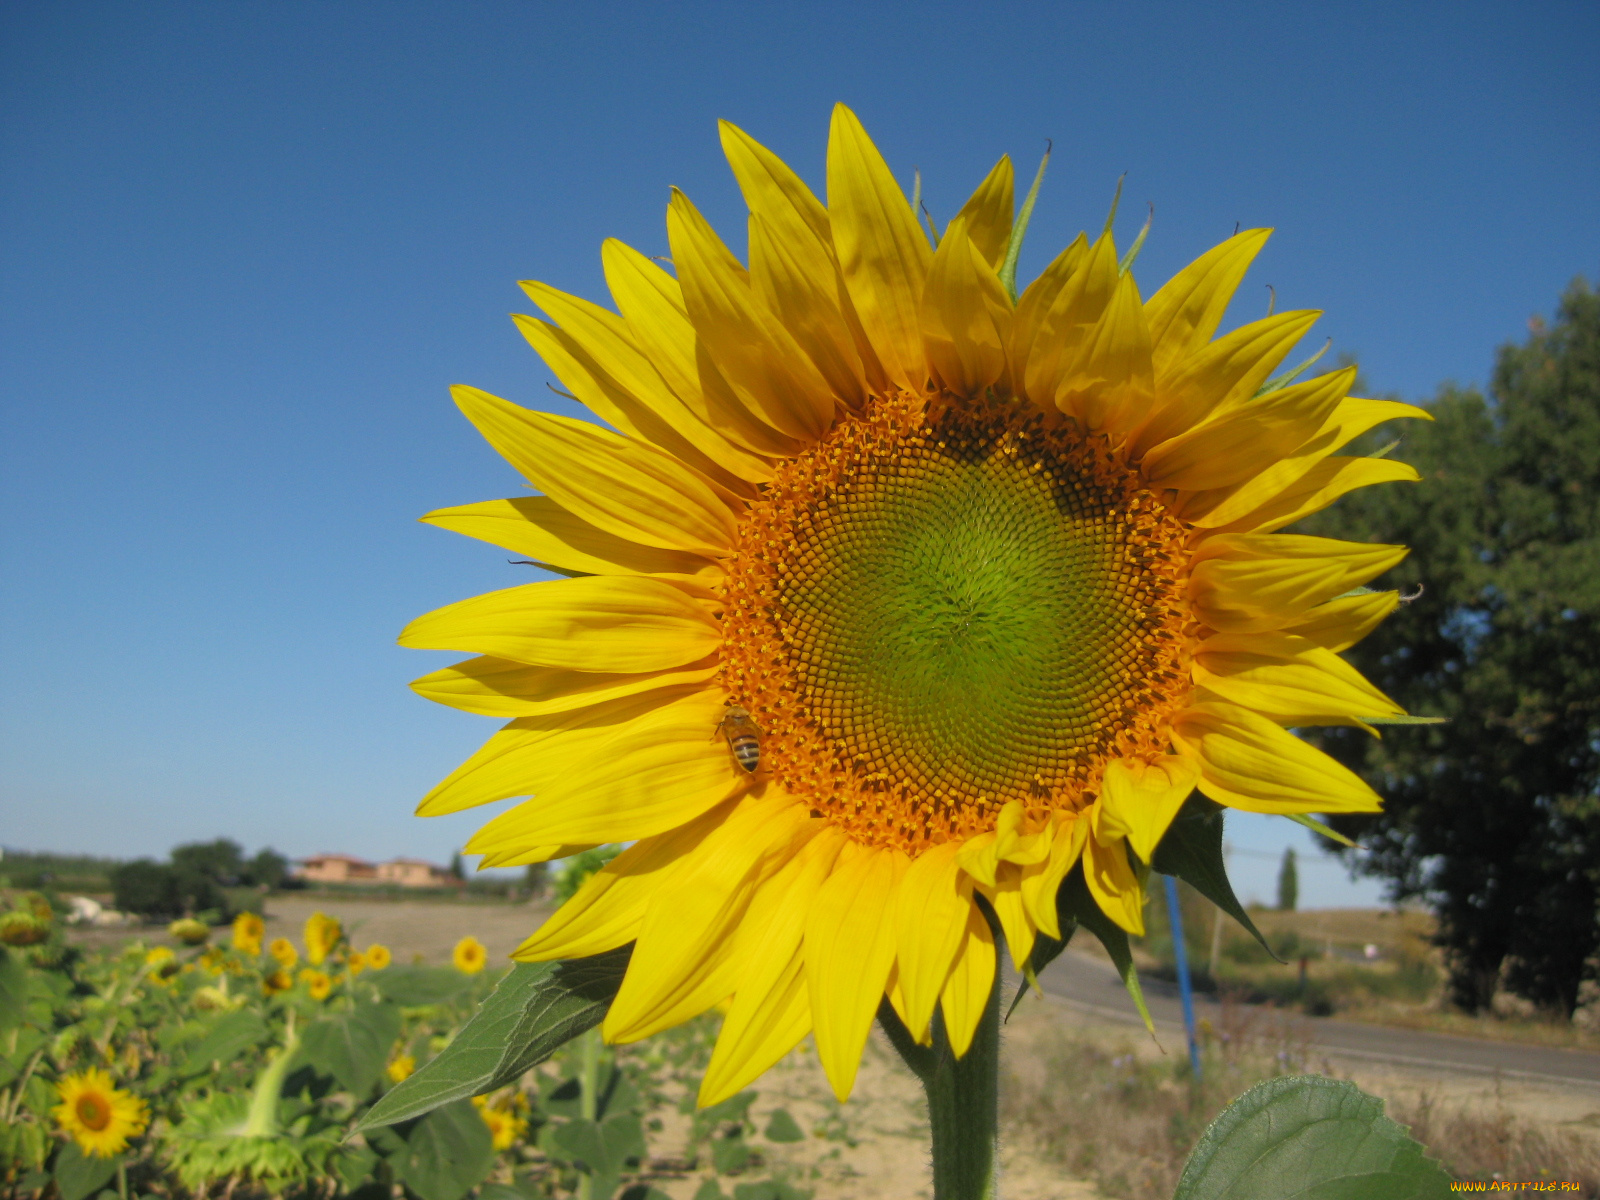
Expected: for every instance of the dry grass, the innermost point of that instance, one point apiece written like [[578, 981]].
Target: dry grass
[[1109, 1108]]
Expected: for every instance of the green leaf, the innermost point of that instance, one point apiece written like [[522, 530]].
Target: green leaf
[[1192, 851], [230, 1037], [781, 1127], [603, 1148], [79, 1175], [13, 988], [709, 1190], [352, 1047], [414, 987], [447, 1153], [729, 1155], [354, 1166], [1305, 1137], [534, 1010], [1074, 902]]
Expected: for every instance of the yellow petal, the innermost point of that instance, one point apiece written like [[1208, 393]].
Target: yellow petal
[[1250, 763], [771, 1010], [1353, 417], [625, 487], [608, 909], [966, 317], [538, 527], [1113, 884], [534, 854], [978, 857], [1247, 582], [849, 948], [1070, 321], [682, 962], [807, 306], [761, 362], [1006, 898], [1340, 624], [1109, 384], [1245, 439], [621, 623], [1321, 486], [930, 919], [988, 214], [1040, 884], [1142, 797], [656, 772], [1290, 680], [516, 760], [659, 324], [591, 354], [494, 687], [1037, 301], [1227, 372], [1186, 312], [966, 992], [883, 255]]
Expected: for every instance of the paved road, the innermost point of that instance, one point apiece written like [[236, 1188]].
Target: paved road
[[1091, 985]]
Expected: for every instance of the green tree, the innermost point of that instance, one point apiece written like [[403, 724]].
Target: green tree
[[1288, 882], [267, 869], [1494, 817]]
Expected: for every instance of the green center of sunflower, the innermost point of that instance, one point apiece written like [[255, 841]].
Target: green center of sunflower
[[934, 613]]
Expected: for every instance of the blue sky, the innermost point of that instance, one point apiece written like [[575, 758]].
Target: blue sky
[[248, 246]]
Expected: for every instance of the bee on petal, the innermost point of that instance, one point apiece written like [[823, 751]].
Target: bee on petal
[[744, 737]]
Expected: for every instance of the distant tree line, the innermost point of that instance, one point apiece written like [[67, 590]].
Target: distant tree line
[[1494, 817], [195, 880]]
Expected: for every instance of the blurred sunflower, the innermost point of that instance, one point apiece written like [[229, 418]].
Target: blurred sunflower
[[248, 930], [401, 1067], [282, 949], [976, 587], [378, 956], [506, 1125], [470, 955], [277, 981], [322, 936], [318, 983], [189, 931], [97, 1114]]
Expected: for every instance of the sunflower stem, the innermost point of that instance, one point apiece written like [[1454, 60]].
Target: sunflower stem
[[963, 1100], [262, 1118]]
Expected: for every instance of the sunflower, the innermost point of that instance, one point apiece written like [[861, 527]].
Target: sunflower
[[322, 936], [378, 956], [248, 930], [400, 1068], [318, 983], [888, 591], [278, 981], [470, 955], [282, 949], [97, 1114], [506, 1126], [189, 931]]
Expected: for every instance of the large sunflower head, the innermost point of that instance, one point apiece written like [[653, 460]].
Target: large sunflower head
[[97, 1114], [888, 591]]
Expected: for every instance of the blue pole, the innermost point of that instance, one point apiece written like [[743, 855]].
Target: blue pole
[[1180, 954]]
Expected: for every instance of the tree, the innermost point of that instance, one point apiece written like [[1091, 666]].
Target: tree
[[537, 879], [147, 888], [1288, 882], [221, 861], [267, 869], [1495, 816]]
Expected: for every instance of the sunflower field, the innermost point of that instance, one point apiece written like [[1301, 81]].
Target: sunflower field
[[241, 1067]]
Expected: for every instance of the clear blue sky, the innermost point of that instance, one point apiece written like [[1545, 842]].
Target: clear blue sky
[[246, 247]]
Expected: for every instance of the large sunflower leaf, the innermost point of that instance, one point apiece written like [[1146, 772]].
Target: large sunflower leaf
[[1192, 851], [78, 1175], [1306, 1137], [534, 1010], [446, 1154], [353, 1046]]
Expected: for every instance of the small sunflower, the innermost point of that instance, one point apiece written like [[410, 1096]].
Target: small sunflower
[[276, 982], [22, 927], [400, 1067], [248, 930], [283, 951], [322, 936], [975, 587], [378, 956], [470, 955], [318, 983], [97, 1114], [506, 1126]]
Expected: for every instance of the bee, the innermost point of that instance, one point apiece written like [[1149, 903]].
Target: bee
[[743, 736]]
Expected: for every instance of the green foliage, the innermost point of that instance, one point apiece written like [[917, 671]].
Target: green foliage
[[1495, 816], [78, 1175], [1312, 1138], [1288, 882], [445, 1154], [578, 868]]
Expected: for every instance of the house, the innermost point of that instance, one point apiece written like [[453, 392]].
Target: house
[[337, 868], [397, 872]]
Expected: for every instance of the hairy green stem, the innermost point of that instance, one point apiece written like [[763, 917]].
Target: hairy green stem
[[963, 1100], [262, 1119]]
